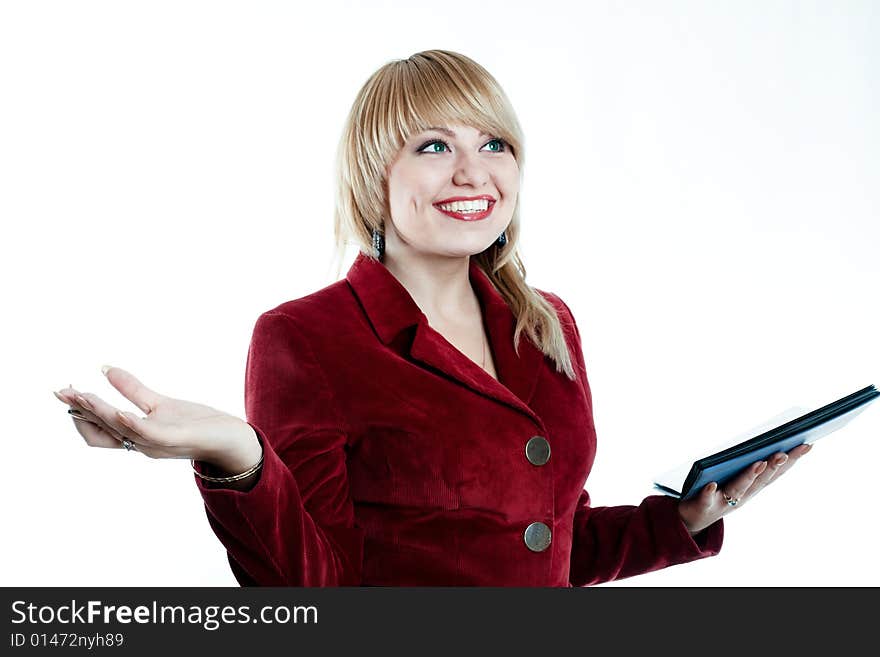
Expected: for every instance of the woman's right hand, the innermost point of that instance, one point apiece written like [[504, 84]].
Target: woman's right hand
[[172, 428]]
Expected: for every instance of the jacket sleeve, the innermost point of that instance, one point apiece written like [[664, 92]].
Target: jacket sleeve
[[613, 542], [295, 526]]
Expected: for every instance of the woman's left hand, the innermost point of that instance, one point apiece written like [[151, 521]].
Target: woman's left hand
[[701, 511]]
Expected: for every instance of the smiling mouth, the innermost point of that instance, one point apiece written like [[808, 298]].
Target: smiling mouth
[[468, 215]]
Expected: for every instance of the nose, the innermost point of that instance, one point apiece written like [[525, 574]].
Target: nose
[[470, 171]]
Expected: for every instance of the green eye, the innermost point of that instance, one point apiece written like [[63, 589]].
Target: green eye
[[501, 146]]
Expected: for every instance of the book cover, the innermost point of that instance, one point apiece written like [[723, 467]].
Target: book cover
[[783, 433]]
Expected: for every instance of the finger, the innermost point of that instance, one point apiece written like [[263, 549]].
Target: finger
[[140, 427], [94, 434], [62, 398], [96, 408], [98, 435], [165, 440], [800, 450], [99, 439], [151, 436], [132, 389], [80, 412], [67, 395], [68, 391], [774, 465], [794, 456], [740, 485], [709, 496]]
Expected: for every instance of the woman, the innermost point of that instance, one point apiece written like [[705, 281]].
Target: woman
[[427, 420]]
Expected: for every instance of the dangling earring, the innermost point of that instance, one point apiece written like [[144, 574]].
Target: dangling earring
[[502, 239], [378, 243]]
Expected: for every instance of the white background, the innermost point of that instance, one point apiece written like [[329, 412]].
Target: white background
[[701, 187]]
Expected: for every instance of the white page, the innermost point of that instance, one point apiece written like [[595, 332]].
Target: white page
[[675, 477]]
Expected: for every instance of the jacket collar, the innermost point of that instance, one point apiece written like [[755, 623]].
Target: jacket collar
[[390, 309]]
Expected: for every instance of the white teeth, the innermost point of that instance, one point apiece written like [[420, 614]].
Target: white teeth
[[466, 206]]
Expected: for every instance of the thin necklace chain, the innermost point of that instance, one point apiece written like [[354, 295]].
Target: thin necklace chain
[[483, 346]]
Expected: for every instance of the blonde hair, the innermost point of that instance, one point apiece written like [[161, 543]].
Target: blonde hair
[[403, 98]]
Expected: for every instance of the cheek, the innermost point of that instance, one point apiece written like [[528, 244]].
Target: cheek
[[410, 201], [404, 187], [509, 180], [418, 194]]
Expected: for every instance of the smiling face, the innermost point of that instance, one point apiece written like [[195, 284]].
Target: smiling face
[[433, 170]]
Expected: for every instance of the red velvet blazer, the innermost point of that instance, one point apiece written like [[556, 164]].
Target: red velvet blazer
[[392, 459]]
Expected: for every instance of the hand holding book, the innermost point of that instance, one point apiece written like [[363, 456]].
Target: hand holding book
[[717, 483], [700, 511]]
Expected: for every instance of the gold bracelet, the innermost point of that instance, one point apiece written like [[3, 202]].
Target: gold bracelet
[[226, 480]]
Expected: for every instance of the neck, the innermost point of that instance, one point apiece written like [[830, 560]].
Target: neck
[[439, 285]]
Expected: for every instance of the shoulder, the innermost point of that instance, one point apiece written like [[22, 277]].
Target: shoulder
[[563, 312], [553, 299], [296, 335], [316, 311], [306, 327]]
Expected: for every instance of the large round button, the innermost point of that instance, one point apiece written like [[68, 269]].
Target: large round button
[[537, 537], [538, 450]]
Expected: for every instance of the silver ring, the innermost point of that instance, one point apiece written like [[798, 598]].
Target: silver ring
[[127, 444], [731, 501]]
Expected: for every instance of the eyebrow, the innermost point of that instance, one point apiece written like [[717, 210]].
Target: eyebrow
[[450, 133]]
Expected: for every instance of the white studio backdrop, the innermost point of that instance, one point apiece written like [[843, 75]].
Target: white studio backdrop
[[702, 187]]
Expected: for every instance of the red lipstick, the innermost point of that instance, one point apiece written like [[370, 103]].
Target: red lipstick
[[468, 216], [482, 197]]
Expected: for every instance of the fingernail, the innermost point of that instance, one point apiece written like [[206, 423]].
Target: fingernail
[[782, 459], [123, 418], [809, 447], [761, 467], [61, 397], [84, 402], [713, 487], [105, 368]]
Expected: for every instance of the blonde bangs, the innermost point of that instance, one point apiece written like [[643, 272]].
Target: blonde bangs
[[430, 89]]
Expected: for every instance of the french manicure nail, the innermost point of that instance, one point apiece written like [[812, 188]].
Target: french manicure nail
[[84, 402], [105, 368]]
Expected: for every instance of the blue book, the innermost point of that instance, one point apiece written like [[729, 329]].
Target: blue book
[[726, 464]]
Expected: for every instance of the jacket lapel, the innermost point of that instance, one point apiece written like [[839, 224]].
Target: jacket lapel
[[390, 309]]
